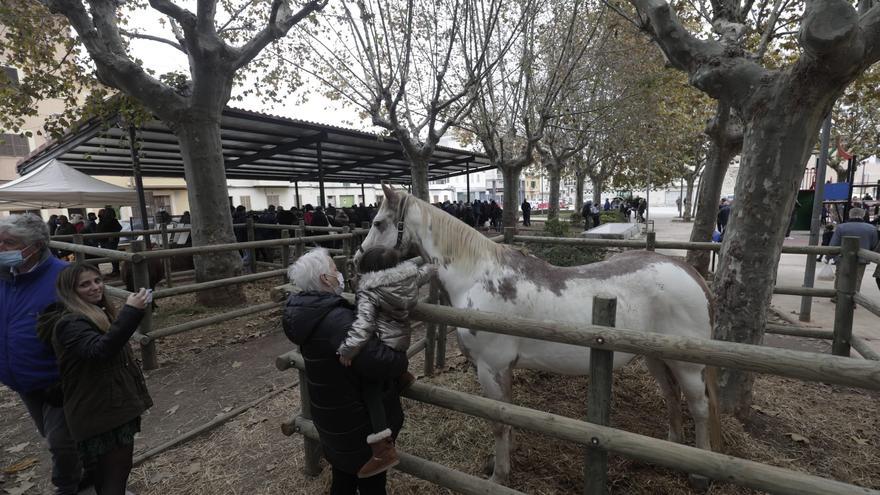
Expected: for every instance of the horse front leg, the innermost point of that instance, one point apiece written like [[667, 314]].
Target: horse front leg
[[497, 384]]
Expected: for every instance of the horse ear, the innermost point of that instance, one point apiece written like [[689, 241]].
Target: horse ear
[[390, 195]]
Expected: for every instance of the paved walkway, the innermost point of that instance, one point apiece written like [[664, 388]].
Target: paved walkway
[[791, 273]]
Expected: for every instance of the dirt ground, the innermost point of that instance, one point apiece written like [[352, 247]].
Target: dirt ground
[[826, 430]]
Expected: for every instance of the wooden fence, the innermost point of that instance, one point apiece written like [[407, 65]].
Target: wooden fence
[[603, 341], [291, 248]]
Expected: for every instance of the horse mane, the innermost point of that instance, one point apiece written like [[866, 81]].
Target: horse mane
[[457, 241]]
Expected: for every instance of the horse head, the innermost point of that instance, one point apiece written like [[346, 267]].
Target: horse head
[[390, 227]]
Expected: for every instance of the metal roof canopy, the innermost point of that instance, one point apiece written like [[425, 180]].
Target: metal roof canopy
[[256, 146]]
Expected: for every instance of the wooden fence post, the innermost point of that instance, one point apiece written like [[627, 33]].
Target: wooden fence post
[[509, 232], [599, 399], [312, 448], [431, 333], [651, 241], [141, 278], [251, 236], [166, 262], [300, 247], [845, 284], [285, 254], [441, 327], [78, 256]]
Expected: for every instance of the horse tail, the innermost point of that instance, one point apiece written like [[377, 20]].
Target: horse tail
[[711, 382]]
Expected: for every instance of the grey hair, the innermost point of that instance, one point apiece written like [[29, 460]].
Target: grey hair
[[28, 228], [856, 213], [305, 273]]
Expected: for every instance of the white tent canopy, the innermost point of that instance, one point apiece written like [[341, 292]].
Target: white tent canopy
[[55, 185]]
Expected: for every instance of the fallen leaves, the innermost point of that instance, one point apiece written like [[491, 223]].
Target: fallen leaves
[[173, 409], [20, 465], [17, 448], [798, 438]]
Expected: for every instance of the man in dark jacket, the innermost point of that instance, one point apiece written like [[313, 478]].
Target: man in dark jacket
[[526, 208], [318, 319], [27, 365]]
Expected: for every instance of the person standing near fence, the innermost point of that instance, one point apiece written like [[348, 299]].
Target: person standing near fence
[[317, 320], [104, 391], [108, 223], [27, 365], [867, 234]]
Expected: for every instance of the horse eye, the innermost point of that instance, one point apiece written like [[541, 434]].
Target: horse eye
[[377, 224]]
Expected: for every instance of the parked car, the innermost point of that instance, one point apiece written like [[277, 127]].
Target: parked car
[[545, 205]]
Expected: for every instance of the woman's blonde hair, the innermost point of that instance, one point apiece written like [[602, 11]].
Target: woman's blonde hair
[[101, 314]]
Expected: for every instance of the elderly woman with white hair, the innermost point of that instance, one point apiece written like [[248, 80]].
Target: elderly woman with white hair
[[318, 319], [27, 365]]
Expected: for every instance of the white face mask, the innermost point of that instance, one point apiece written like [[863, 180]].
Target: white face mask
[[341, 286]]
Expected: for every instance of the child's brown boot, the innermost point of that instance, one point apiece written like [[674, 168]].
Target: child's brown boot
[[384, 454]]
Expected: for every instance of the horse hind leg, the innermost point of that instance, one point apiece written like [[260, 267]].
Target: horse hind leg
[[671, 395], [497, 384]]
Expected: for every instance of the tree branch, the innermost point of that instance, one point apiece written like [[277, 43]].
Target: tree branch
[[720, 71], [275, 29], [179, 14], [149, 37]]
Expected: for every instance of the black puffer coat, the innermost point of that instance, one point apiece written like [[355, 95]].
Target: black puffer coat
[[318, 322], [103, 384]]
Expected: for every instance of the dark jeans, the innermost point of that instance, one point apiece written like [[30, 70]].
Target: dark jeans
[[50, 422], [373, 401], [350, 484]]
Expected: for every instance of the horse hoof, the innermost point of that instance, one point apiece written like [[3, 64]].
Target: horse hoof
[[699, 483], [489, 466]]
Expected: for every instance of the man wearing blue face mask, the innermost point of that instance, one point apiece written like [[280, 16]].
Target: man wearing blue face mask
[[27, 365]]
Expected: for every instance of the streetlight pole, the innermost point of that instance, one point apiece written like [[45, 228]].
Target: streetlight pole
[[818, 197]]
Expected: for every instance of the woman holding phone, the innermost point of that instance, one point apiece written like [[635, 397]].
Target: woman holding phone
[[104, 391]]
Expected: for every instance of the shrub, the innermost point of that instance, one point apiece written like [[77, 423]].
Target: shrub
[[556, 228], [576, 219], [567, 255], [612, 216]]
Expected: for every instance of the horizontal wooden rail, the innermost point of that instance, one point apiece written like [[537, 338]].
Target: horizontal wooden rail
[[863, 348], [116, 292], [579, 242], [424, 469], [192, 325], [632, 445], [121, 233], [866, 303], [794, 331], [216, 248], [869, 255], [213, 284], [97, 261], [794, 364], [804, 291], [696, 246], [104, 253], [497, 238]]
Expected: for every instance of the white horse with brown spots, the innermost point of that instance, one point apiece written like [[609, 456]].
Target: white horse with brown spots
[[654, 293]]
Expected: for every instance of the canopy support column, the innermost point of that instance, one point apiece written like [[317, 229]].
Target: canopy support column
[[363, 195], [138, 183], [321, 198], [296, 193], [468, 182]]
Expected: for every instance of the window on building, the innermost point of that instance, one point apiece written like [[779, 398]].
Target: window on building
[[331, 200], [534, 184], [10, 75], [273, 199], [14, 145], [245, 201], [436, 199]]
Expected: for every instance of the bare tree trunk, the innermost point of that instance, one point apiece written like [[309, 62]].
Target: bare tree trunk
[[689, 196], [555, 171], [205, 173], [579, 193], [597, 190], [725, 144], [419, 171], [510, 215], [776, 147]]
